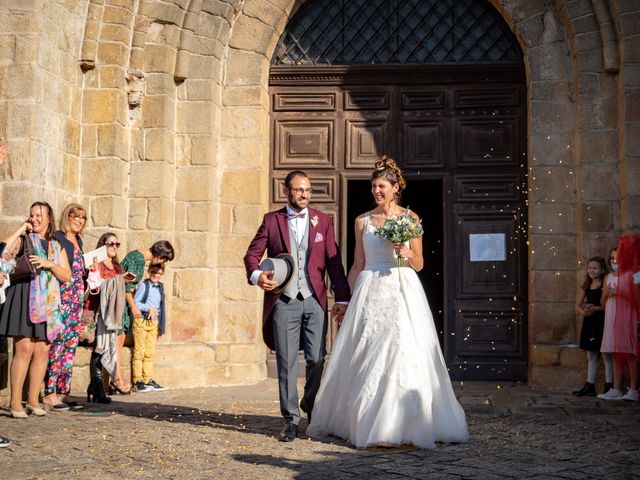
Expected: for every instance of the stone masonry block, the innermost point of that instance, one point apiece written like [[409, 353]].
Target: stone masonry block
[[550, 62], [109, 212], [244, 122], [543, 355], [599, 147], [16, 198], [194, 250], [151, 179], [552, 218], [238, 322], [138, 213], [553, 323], [256, 96], [71, 137], [90, 141], [242, 187], [552, 184], [195, 183], [112, 53], [598, 217], [233, 286], [190, 321], [159, 144], [246, 219], [158, 111], [243, 153], [160, 214], [572, 358], [255, 35], [246, 68], [599, 111], [104, 106], [548, 252], [113, 141], [196, 117], [160, 58], [552, 286], [201, 217], [181, 216], [104, 176], [71, 173], [113, 77], [20, 119], [552, 149], [599, 183], [204, 150], [202, 90], [13, 84], [231, 249], [195, 284], [159, 83]]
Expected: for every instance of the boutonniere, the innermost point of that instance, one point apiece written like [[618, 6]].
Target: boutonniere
[[314, 220]]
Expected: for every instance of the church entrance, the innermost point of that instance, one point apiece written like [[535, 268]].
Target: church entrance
[[449, 105]]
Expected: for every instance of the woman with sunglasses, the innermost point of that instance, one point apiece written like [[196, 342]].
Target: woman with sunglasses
[[62, 350], [107, 269]]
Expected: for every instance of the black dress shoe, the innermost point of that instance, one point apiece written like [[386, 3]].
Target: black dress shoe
[[607, 387], [289, 432], [303, 407], [589, 390]]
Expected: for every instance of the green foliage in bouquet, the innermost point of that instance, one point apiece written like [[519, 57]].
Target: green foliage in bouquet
[[400, 229]]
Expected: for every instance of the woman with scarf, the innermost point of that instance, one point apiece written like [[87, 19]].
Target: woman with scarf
[[31, 312]]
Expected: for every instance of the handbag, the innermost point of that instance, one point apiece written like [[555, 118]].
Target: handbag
[[24, 268], [87, 326]]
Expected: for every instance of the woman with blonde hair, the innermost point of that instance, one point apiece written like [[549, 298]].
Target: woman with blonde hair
[[62, 350]]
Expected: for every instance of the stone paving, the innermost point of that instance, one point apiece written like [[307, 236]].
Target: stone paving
[[230, 432]]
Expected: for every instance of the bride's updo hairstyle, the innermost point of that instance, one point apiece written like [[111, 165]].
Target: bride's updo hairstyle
[[388, 169]]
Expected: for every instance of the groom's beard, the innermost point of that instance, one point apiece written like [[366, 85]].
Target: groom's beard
[[298, 203]]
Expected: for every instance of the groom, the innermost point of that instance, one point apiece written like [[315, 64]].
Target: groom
[[296, 317]]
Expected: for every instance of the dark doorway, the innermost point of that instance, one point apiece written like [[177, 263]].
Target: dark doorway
[[425, 198]]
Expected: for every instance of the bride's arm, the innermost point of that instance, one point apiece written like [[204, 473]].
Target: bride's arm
[[414, 252], [358, 254]]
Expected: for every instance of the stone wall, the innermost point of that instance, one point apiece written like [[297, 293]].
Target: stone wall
[[154, 114]]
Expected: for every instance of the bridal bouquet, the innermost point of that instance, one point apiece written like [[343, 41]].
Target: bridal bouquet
[[400, 229]]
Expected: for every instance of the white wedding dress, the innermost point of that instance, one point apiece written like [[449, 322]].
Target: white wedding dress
[[386, 382]]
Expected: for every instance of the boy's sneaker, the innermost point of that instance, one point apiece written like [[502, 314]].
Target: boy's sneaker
[[154, 387], [632, 395], [140, 387], [612, 394]]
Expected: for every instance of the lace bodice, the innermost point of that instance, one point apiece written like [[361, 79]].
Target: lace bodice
[[378, 251]]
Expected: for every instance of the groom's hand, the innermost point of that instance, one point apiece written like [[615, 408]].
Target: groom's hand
[[338, 311], [265, 282]]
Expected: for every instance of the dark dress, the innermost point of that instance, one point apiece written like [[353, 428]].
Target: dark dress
[[592, 325], [14, 312]]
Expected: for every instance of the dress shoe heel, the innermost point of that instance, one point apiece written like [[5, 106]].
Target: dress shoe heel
[[289, 432], [16, 414], [589, 390], [37, 411]]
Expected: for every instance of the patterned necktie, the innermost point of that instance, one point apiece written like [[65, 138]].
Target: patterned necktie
[[296, 215]]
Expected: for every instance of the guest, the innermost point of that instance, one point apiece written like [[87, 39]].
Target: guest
[[31, 313], [62, 350], [100, 294], [589, 306], [149, 298], [625, 323], [158, 254]]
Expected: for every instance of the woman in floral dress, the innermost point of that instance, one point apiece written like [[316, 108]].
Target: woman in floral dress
[[62, 350]]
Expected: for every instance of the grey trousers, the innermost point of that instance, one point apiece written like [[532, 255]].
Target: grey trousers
[[293, 320]]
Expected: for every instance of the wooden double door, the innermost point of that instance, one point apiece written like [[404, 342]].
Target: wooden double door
[[459, 134]]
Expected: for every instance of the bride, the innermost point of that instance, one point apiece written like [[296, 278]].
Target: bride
[[386, 382]]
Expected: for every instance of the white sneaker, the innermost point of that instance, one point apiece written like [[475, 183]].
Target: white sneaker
[[632, 395], [612, 394]]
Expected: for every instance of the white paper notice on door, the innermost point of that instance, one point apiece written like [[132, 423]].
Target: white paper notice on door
[[487, 247]]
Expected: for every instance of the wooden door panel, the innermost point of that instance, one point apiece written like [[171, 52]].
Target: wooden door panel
[[422, 99], [484, 333], [422, 141], [488, 188], [487, 98], [486, 278], [304, 101], [487, 141], [366, 99], [304, 143], [366, 142]]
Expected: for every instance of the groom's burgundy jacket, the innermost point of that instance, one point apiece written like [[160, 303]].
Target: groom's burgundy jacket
[[323, 256]]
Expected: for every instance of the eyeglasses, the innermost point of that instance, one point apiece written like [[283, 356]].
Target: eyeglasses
[[300, 190], [113, 244], [78, 217]]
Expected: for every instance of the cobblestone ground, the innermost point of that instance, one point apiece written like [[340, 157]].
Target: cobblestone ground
[[230, 432]]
